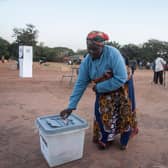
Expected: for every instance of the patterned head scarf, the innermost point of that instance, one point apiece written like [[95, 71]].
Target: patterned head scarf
[[97, 38]]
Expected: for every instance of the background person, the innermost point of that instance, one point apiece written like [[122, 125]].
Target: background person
[[153, 69], [159, 69]]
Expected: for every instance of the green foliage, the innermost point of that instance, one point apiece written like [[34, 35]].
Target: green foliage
[[26, 36], [145, 52], [81, 52], [154, 48], [53, 54], [23, 36], [131, 51], [114, 44], [4, 48], [13, 50]]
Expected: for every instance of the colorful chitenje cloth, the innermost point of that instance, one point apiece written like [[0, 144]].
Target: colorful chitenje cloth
[[131, 95], [97, 38], [115, 113]]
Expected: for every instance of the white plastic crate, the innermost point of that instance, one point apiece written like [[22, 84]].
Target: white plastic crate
[[61, 142]]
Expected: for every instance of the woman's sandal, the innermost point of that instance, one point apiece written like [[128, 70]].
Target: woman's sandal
[[101, 145], [134, 132], [123, 147], [95, 140]]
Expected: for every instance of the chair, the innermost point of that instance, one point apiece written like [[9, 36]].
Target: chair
[[72, 75]]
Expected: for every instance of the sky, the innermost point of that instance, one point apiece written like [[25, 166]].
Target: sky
[[66, 23]]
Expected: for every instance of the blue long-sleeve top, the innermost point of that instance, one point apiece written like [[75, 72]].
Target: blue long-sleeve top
[[91, 69]]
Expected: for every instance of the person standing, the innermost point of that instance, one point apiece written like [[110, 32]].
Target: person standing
[[3, 59], [159, 69], [154, 73], [105, 68]]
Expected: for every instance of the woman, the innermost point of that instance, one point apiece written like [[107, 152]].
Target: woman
[[105, 68], [115, 113]]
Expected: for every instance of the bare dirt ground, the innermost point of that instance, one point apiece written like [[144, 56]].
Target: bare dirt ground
[[22, 100]]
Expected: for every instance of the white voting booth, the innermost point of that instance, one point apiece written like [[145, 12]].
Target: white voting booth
[[25, 61]]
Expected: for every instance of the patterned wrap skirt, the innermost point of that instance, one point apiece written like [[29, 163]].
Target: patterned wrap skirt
[[114, 113]]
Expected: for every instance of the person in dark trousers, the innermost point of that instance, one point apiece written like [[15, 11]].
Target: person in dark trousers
[[154, 73], [159, 70]]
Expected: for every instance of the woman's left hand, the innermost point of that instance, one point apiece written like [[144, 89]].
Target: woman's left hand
[[93, 84]]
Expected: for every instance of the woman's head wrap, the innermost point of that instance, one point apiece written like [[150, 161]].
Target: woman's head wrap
[[97, 38]]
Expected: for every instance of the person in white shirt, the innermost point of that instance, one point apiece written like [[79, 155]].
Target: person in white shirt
[[159, 68]]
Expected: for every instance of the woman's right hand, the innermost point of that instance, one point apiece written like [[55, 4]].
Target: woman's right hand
[[65, 113]]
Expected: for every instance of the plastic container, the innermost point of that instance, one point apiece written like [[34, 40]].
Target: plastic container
[[61, 141]]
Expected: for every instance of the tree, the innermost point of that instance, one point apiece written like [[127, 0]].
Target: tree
[[81, 52], [55, 54], [154, 48], [26, 36], [4, 48], [13, 50], [131, 51], [114, 44]]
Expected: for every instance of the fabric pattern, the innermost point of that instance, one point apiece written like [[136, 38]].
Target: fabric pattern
[[113, 115], [97, 38], [91, 69]]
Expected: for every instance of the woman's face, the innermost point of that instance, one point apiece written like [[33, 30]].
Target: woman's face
[[94, 51]]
